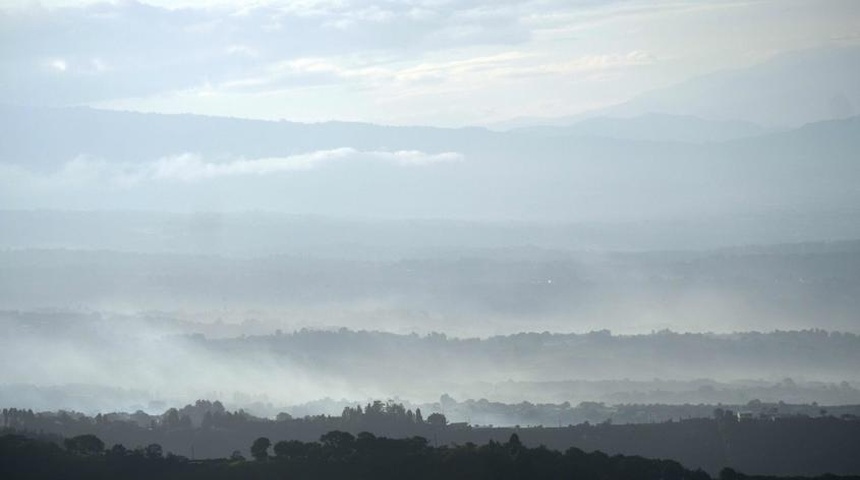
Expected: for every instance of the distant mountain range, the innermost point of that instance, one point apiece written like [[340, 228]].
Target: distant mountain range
[[81, 158], [786, 91], [655, 127]]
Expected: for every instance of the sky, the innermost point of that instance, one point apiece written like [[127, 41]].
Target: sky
[[429, 62]]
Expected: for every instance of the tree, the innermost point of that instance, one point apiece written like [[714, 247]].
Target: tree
[[728, 474], [88, 444], [437, 420], [117, 451], [171, 418], [290, 449], [153, 451], [337, 440], [514, 441], [260, 448], [338, 444]]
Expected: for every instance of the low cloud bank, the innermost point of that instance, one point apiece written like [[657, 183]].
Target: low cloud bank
[[191, 167]]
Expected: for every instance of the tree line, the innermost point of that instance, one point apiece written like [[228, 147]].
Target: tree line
[[795, 445], [336, 454]]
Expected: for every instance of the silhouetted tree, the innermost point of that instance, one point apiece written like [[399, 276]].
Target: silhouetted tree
[[171, 418], [290, 449], [514, 442], [117, 451], [88, 444], [339, 442], [437, 420], [153, 451], [260, 448], [728, 474]]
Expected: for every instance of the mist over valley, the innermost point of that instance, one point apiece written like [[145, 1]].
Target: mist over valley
[[420, 239]]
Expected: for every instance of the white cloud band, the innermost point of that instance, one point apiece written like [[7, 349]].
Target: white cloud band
[[194, 167]]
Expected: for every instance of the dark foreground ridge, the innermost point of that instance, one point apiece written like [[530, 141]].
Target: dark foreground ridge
[[761, 444], [338, 455]]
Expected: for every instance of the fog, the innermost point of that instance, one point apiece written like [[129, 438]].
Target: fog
[[267, 275], [128, 311], [692, 238], [142, 362], [467, 291]]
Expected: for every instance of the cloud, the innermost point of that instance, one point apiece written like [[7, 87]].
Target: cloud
[[417, 158], [154, 50], [396, 79], [57, 64], [132, 49], [189, 167], [388, 61], [86, 170], [192, 167]]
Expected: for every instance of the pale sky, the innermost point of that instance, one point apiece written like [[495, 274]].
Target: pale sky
[[433, 62]]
